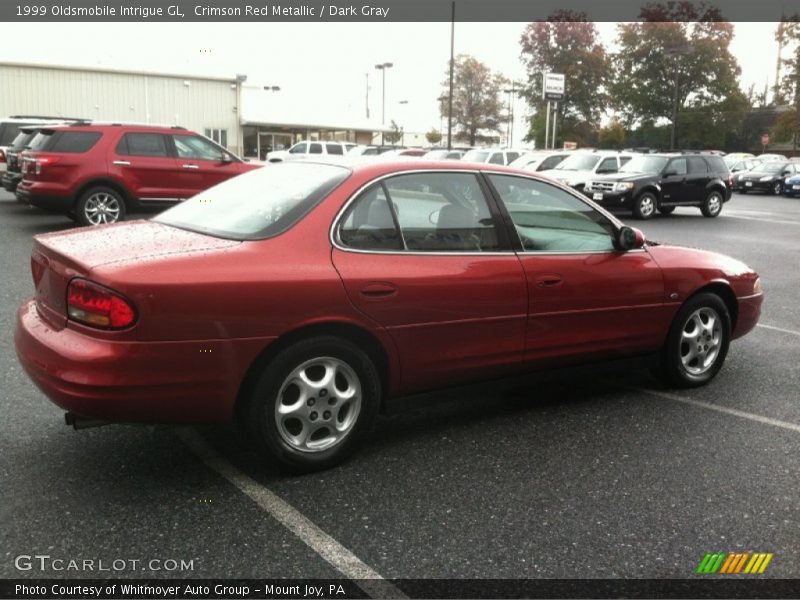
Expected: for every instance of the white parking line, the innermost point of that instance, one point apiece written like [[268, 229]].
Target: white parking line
[[779, 329], [339, 557], [723, 409], [780, 222]]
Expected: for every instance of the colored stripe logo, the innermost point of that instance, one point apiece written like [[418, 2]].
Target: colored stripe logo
[[748, 563]]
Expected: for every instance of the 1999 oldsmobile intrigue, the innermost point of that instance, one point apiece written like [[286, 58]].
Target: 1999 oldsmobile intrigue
[[301, 296]]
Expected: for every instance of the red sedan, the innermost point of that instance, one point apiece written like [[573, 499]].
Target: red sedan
[[303, 296]]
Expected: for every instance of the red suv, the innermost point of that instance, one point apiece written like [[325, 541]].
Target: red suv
[[96, 173]]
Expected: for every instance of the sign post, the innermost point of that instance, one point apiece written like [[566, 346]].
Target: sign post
[[764, 142], [552, 89]]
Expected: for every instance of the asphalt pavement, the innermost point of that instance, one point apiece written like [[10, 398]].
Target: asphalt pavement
[[608, 476]]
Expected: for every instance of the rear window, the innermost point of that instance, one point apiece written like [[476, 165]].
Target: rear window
[[73, 142], [40, 140], [259, 204]]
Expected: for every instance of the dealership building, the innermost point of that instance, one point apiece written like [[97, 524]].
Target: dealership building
[[247, 118]]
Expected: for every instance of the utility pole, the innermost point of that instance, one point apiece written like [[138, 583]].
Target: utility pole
[[452, 67], [367, 98], [382, 68]]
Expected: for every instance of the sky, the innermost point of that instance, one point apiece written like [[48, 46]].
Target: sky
[[326, 62]]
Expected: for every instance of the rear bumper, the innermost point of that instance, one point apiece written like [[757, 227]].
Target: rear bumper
[[10, 181], [150, 382], [749, 313], [45, 195]]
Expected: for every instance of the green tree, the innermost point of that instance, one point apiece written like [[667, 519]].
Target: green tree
[[433, 136], [678, 58], [395, 134], [477, 107], [566, 43], [612, 135]]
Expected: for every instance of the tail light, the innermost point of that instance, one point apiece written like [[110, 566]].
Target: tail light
[[98, 306], [41, 161], [2, 156]]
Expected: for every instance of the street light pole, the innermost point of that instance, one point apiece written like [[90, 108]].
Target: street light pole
[[452, 67], [382, 68]]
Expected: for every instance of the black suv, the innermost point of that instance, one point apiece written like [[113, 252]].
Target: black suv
[[661, 182], [13, 174]]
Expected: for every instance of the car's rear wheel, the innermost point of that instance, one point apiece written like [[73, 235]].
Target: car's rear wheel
[[697, 342], [100, 205], [712, 205], [644, 207], [666, 210], [777, 188], [314, 402]]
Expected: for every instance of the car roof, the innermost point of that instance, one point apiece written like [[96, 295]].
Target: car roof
[[95, 126], [369, 166]]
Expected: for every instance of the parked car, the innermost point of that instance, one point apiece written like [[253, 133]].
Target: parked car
[[769, 176], [409, 152], [745, 164], [662, 182], [766, 157], [735, 157], [539, 161], [96, 173], [9, 129], [492, 156], [308, 149], [579, 167], [13, 174], [330, 290], [443, 154], [791, 186]]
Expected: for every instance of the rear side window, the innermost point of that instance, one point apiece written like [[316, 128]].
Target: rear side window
[[717, 165], [142, 144], [73, 142], [369, 223], [334, 149], [697, 165]]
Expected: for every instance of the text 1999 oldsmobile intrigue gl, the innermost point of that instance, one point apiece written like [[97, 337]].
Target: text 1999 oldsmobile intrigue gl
[[302, 296]]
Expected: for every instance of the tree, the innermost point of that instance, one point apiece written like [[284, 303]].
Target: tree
[[612, 135], [477, 107], [566, 43], [678, 59], [395, 134], [433, 136]]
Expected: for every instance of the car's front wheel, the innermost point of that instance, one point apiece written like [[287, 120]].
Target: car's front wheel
[[644, 207], [712, 205], [697, 342], [100, 205], [314, 402]]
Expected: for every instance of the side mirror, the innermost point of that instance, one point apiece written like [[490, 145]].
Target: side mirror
[[226, 158], [629, 238], [670, 173]]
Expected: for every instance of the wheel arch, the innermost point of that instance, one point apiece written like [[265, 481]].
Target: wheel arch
[[726, 294], [104, 182], [652, 189], [347, 331]]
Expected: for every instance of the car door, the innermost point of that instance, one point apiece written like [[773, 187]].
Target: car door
[[674, 181], [201, 164], [143, 162], [422, 255], [588, 301]]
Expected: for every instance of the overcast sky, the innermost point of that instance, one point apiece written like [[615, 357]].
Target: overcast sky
[[324, 62]]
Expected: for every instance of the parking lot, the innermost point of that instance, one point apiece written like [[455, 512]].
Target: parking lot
[[610, 476]]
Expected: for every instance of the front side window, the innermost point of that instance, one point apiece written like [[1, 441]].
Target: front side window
[[298, 148], [195, 147], [608, 165], [497, 159], [142, 144], [259, 204], [579, 162], [549, 219], [421, 212], [315, 149]]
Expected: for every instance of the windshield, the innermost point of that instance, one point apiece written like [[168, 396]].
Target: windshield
[[258, 204], [475, 156], [579, 162], [644, 164], [772, 166]]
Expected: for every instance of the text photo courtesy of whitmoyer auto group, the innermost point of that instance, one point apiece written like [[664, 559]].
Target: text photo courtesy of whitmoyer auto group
[[401, 299]]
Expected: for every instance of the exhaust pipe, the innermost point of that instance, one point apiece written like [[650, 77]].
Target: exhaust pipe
[[78, 422]]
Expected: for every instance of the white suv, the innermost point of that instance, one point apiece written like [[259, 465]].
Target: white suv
[[493, 156], [309, 149], [579, 167]]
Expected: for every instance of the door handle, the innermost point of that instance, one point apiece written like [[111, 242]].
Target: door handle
[[378, 291], [549, 280], [190, 167], [124, 163]]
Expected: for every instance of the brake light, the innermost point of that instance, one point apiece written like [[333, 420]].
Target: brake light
[[98, 306], [41, 161], [2, 156]]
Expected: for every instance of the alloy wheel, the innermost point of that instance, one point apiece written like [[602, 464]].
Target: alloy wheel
[[700, 341], [101, 208]]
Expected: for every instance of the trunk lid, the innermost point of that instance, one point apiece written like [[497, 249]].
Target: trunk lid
[[58, 257]]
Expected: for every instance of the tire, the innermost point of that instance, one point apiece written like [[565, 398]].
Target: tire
[[680, 364], [777, 188], [644, 207], [100, 205], [666, 210], [712, 205], [283, 417]]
